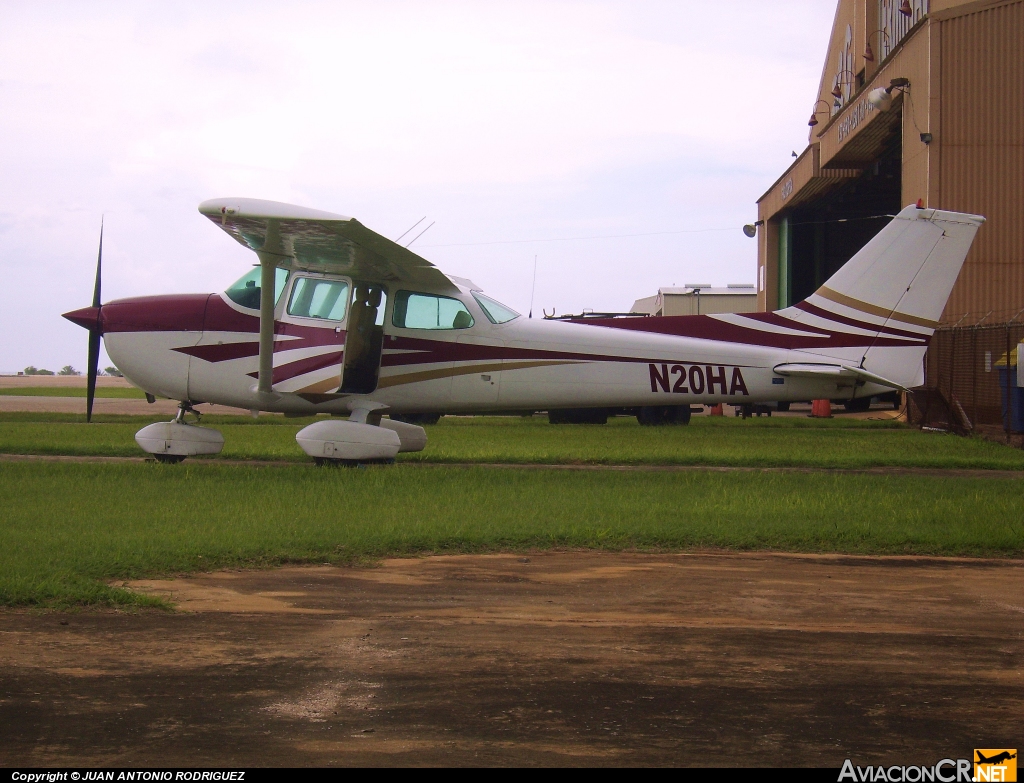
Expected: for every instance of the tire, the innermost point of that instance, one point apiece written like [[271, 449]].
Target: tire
[[169, 459], [782, 406]]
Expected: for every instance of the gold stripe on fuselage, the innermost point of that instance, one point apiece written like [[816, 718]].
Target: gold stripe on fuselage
[[321, 391]]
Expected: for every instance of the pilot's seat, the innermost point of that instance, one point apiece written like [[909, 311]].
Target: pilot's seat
[[463, 320], [364, 342]]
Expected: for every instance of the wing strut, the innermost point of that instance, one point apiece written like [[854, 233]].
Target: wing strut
[[268, 284]]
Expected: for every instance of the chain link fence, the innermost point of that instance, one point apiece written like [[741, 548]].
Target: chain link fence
[[972, 385]]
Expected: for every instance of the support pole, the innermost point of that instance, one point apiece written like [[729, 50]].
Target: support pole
[[268, 284]]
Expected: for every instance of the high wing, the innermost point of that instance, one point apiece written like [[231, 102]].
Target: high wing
[[317, 241]]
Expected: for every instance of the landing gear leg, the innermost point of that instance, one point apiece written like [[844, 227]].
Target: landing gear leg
[[185, 406]]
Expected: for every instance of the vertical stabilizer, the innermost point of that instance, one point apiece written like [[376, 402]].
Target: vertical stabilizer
[[896, 287]]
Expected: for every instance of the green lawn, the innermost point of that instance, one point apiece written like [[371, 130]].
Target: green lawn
[[70, 528], [118, 392], [834, 443]]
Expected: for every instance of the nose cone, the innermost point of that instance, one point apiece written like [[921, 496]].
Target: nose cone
[[87, 317]]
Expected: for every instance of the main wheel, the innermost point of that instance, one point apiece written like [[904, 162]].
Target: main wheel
[[169, 459]]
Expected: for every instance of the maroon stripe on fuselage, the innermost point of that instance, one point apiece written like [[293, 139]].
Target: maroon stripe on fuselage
[[308, 337], [220, 317], [704, 327], [807, 307], [167, 313], [285, 372], [774, 319]]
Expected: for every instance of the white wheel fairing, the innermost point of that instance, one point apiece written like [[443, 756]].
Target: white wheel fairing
[[174, 439]]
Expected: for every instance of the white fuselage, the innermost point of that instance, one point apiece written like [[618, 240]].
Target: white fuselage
[[523, 364]]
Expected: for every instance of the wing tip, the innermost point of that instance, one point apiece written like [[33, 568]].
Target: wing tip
[[218, 208]]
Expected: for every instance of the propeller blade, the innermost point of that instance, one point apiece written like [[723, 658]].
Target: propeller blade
[[94, 360], [99, 264], [94, 337]]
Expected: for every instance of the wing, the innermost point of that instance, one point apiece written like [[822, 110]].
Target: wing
[[322, 242]]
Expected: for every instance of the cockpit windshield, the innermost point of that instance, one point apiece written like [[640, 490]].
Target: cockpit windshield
[[496, 312], [246, 291]]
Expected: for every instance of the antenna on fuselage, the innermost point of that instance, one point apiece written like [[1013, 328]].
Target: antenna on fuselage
[[424, 231], [533, 288], [411, 227]]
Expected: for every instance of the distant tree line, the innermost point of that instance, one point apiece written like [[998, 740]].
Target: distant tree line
[[67, 369]]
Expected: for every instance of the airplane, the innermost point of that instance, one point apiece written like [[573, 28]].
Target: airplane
[[359, 327], [996, 759]]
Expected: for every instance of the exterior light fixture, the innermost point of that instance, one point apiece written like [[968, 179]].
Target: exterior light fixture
[[869, 54], [814, 114], [837, 90], [905, 8], [881, 97], [751, 230]]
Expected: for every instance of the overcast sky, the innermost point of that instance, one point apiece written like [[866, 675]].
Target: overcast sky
[[508, 124]]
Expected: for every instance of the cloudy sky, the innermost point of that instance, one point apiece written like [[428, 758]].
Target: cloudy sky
[[561, 130]]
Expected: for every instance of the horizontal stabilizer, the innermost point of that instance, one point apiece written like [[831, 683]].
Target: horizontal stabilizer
[[836, 372]]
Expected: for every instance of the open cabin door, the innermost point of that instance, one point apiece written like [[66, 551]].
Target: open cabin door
[[364, 340]]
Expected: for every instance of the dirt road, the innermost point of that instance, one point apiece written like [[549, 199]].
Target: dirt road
[[554, 658]]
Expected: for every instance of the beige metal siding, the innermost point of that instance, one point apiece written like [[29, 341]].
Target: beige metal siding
[[981, 154]]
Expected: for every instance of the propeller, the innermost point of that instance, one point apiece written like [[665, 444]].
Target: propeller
[[91, 318], [95, 333]]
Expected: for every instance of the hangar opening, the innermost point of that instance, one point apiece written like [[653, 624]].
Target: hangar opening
[[820, 235]]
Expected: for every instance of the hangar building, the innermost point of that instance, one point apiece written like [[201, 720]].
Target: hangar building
[[699, 299], [948, 133]]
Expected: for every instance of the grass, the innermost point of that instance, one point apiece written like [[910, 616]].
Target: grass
[[118, 392], [71, 528], [780, 442]]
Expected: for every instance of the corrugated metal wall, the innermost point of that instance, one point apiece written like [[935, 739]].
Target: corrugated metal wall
[[981, 155]]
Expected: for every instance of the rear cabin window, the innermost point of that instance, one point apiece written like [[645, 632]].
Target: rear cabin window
[[427, 311], [314, 297], [246, 291]]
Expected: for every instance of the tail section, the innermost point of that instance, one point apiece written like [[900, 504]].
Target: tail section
[[896, 287]]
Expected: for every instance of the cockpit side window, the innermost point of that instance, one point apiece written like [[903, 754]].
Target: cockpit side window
[[314, 297], [428, 311], [246, 291]]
